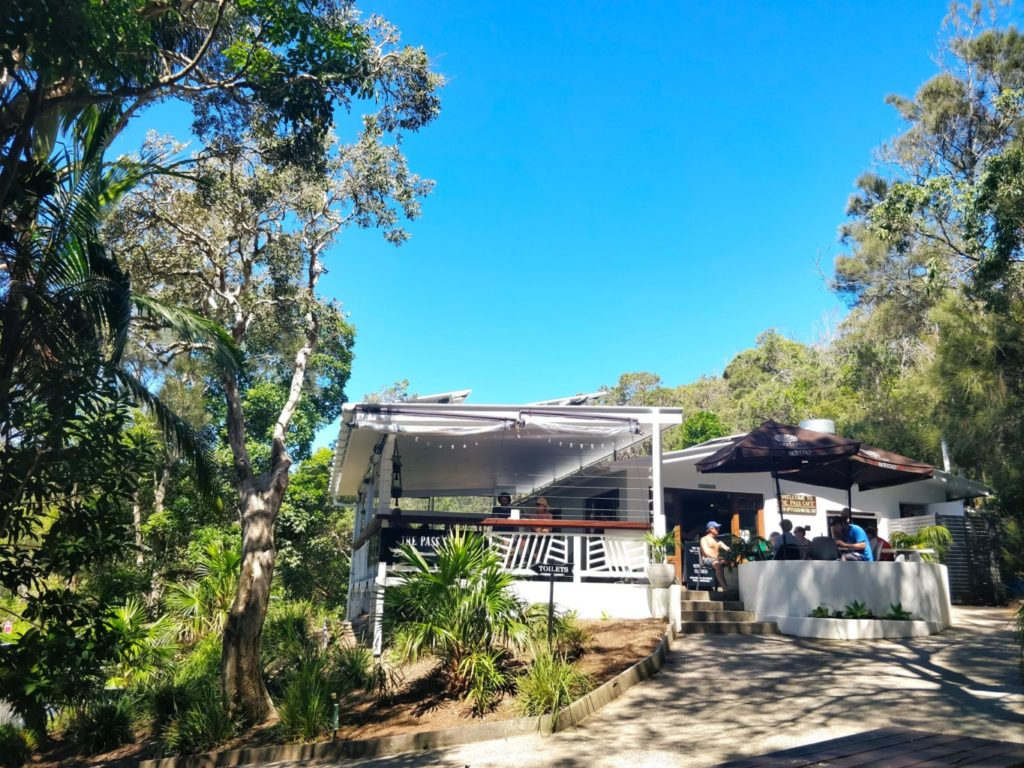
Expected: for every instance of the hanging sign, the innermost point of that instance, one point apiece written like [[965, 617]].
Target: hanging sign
[[799, 504]]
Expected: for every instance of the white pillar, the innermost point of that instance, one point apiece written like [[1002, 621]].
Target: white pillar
[[657, 492]]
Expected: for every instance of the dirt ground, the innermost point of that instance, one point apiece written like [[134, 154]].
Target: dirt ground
[[615, 646]]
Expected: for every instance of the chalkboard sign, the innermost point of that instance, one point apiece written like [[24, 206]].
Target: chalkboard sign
[[695, 575]]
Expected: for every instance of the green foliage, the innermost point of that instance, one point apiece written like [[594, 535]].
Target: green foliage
[[936, 537], [188, 711], [660, 545], [15, 746], [462, 610], [102, 725], [896, 612], [314, 537], [857, 610], [568, 638], [354, 667], [306, 705], [201, 606], [549, 684], [700, 427], [821, 612]]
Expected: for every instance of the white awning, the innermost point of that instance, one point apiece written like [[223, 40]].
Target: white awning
[[461, 449]]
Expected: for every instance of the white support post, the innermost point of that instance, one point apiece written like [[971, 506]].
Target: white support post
[[384, 468], [657, 491], [378, 609], [577, 558]]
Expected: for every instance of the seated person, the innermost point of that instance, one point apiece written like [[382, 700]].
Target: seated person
[[851, 540], [877, 544], [540, 512], [786, 545], [800, 534], [711, 551], [504, 507]]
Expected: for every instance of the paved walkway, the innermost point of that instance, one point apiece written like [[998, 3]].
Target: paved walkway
[[725, 697]]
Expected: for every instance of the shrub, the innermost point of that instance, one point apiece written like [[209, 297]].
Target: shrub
[[821, 612], [15, 746], [935, 537], [462, 610], [549, 683], [202, 725], [567, 636], [189, 712], [104, 725], [857, 610], [306, 708], [354, 667], [897, 613]]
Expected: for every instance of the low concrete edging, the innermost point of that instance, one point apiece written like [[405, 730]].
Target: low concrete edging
[[853, 629], [408, 742]]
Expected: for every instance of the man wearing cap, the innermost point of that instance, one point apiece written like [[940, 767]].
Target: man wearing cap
[[710, 551]]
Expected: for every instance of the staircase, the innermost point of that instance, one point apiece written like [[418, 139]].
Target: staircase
[[719, 613]]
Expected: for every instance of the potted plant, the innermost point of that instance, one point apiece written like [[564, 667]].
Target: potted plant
[[659, 573]]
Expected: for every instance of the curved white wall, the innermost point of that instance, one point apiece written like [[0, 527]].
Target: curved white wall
[[793, 588]]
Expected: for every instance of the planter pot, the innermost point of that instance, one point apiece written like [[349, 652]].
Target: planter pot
[[661, 575]]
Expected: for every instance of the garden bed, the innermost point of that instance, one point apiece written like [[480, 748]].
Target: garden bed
[[415, 706], [853, 629]]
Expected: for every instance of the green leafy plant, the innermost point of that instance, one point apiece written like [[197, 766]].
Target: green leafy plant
[[896, 612], [462, 610], [188, 711], [15, 746], [935, 537], [821, 612], [605, 616], [567, 636], [103, 725], [354, 667], [660, 546], [306, 708], [550, 683], [857, 610]]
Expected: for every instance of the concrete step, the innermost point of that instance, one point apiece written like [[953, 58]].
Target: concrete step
[[716, 616], [711, 605], [728, 628]]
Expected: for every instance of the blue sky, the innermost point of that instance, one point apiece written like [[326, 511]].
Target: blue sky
[[622, 187]]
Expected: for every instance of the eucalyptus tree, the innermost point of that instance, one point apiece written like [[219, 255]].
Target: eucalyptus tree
[[935, 263], [245, 245]]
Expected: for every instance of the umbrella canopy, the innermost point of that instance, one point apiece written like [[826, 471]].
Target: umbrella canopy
[[775, 447], [869, 468]]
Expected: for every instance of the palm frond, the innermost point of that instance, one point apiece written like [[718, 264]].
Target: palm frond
[[193, 328], [179, 432]]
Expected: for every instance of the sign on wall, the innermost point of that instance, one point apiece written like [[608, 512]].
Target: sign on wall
[[799, 504]]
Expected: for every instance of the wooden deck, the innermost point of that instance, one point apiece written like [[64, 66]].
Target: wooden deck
[[893, 748]]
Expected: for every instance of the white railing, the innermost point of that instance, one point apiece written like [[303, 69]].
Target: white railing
[[601, 556]]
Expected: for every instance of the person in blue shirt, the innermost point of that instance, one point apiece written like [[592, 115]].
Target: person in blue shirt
[[853, 543]]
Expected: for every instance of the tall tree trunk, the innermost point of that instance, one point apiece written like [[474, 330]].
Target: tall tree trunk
[[241, 668], [259, 502]]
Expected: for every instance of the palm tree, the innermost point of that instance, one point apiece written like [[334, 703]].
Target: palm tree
[[462, 610]]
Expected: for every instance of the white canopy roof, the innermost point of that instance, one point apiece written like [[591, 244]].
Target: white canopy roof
[[461, 449]]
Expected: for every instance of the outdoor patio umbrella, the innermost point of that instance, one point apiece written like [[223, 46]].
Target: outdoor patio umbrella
[[781, 449], [868, 468]]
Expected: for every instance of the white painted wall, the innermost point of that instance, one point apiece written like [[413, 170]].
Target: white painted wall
[[681, 472], [782, 588], [619, 601]]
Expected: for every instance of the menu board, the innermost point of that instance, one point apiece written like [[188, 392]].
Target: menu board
[[799, 504], [695, 575]]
